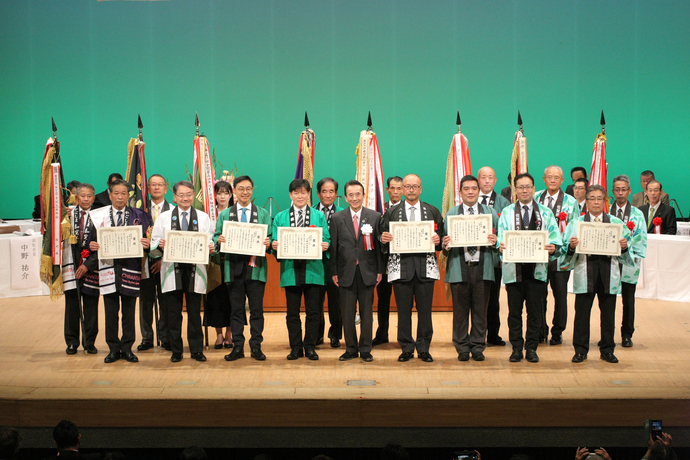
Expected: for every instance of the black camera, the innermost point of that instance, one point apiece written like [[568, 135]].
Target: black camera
[[465, 455]]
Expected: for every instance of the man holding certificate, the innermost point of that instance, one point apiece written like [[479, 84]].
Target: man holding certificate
[[470, 243], [299, 236], [603, 246], [245, 275], [527, 237], [119, 277], [174, 229], [356, 267], [411, 232]]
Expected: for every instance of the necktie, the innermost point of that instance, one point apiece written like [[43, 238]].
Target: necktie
[[620, 213], [472, 249], [300, 219], [412, 216], [651, 213], [525, 216], [119, 218], [485, 199], [244, 215], [646, 199], [356, 224], [81, 223], [596, 219], [156, 212], [551, 203], [184, 224]]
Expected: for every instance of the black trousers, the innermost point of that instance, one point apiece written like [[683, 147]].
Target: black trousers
[[217, 312], [72, 326], [583, 309], [493, 309], [150, 292], [420, 294], [335, 316], [559, 288], [350, 296], [529, 292], [111, 303], [240, 291], [628, 296], [195, 333], [293, 297], [383, 291], [470, 298]]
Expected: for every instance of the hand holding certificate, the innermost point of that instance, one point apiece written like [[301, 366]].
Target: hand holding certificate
[[119, 242], [244, 238], [599, 238], [186, 247], [411, 237], [299, 243], [469, 230], [525, 246]]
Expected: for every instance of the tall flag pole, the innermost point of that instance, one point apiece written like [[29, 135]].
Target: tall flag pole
[[136, 171], [518, 162], [599, 166], [369, 169], [204, 176], [305, 155], [457, 167], [55, 223]]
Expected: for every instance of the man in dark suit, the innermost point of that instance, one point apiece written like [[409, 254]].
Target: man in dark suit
[[103, 198], [642, 197], [580, 194], [413, 275], [577, 173], [384, 289], [356, 268], [656, 208], [506, 192], [68, 441], [150, 289]]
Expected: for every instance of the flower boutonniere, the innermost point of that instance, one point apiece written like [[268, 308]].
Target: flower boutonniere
[[562, 220], [631, 225], [367, 230], [657, 225]]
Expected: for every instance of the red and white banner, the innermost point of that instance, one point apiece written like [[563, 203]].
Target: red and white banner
[[599, 166], [457, 167], [518, 163], [204, 179], [56, 213], [369, 170]]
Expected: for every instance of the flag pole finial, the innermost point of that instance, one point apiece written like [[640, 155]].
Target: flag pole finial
[[520, 121], [141, 126], [54, 127], [457, 120], [369, 121], [196, 123], [306, 119], [603, 122]]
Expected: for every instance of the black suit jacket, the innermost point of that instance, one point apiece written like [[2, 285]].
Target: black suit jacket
[[346, 250], [102, 200], [668, 218], [569, 190]]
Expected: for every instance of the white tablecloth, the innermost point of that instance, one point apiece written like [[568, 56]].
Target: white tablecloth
[[24, 225], [665, 272]]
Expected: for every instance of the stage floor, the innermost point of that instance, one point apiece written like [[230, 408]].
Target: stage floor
[[40, 384]]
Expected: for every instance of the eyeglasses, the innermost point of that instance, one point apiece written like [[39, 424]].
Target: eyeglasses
[[185, 196], [524, 187], [596, 198], [412, 187], [244, 189], [553, 177], [157, 184]]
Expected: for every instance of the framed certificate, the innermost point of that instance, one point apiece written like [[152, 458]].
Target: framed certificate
[[299, 243], [469, 230], [599, 238], [526, 246], [412, 237], [244, 238], [119, 242], [186, 247]]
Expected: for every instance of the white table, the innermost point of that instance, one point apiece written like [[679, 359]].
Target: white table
[[665, 273], [24, 224]]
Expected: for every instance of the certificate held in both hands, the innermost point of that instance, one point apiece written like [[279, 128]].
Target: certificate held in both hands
[[525, 246], [119, 242], [244, 238], [599, 238], [469, 230], [300, 243], [186, 247], [412, 237]]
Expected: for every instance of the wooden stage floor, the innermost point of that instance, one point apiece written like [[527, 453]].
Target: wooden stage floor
[[40, 384]]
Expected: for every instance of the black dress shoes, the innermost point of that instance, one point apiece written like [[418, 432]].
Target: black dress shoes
[[425, 356], [516, 356], [200, 357], [143, 346], [366, 357], [556, 340], [531, 356], [478, 356], [379, 341], [295, 353], [235, 354], [609, 358], [348, 355], [405, 356], [627, 342], [71, 350], [176, 357], [496, 341], [130, 357], [166, 346], [257, 354], [90, 349], [464, 356], [335, 343], [579, 357], [112, 357], [311, 355]]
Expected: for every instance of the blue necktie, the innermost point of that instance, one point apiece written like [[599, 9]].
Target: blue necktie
[[244, 215], [184, 224], [525, 217], [119, 218]]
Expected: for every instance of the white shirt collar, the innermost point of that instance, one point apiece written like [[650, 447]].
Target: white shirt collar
[[475, 208], [592, 217], [300, 209], [358, 214]]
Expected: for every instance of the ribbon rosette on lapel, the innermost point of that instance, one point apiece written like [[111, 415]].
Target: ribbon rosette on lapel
[[367, 230], [657, 225], [631, 226], [562, 220], [84, 255]]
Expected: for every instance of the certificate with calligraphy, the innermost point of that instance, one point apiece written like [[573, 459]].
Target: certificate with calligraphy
[[186, 247], [412, 237], [525, 246], [244, 238], [469, 230], [599, 238], [299, 243], [119, 242]]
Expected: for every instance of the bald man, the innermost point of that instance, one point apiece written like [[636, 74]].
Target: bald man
[[488, 196]]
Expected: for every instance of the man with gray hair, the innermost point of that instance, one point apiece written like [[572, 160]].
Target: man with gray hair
[[634, 219], [642, 198]]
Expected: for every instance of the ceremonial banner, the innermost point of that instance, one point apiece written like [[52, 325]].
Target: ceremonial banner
[[136, 174], [369, 170], [518, 163], [119, 242], [300, 243], [599, 238], [244, 238], [412, 237], [186, 247], [600, 168], [457, 167], [24, 262], [526, 246], [305, 158], [469, 230]]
